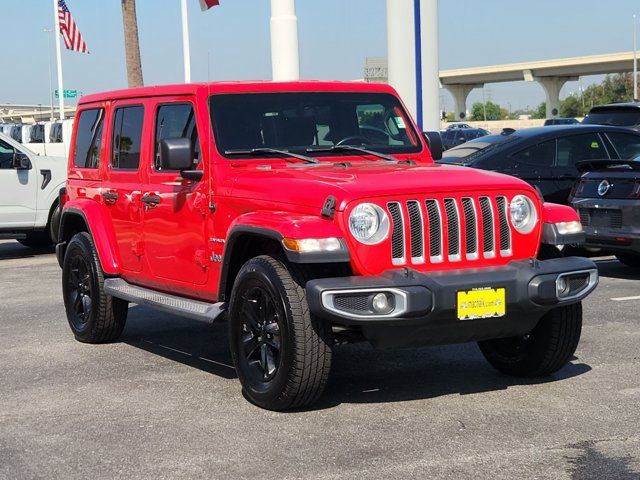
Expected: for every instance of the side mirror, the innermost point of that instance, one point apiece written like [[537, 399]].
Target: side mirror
[[177, 154], [21, 161], [434, 142]]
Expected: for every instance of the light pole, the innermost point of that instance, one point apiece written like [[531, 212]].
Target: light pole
[[635, 60], [49, 31]]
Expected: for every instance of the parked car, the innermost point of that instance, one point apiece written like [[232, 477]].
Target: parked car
[[268, 201], [546, 157], [453, 138], [616, 114], [560, 121], [458, 126], [607, 199], [29, 187]]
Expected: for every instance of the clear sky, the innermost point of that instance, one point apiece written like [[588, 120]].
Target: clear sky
[[335, 37]]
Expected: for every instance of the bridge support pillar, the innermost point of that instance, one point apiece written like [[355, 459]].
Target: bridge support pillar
[[552, 87], [460, 94], [285, 56]]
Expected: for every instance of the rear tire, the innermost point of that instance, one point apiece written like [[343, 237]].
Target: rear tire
[[629, 259], [94, 317], [544, 350], [281, 353]]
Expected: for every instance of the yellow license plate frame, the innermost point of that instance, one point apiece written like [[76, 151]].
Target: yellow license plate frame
[[481, 303]]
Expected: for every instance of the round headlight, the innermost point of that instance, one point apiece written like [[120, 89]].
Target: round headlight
[[523, 214], [368, 223]]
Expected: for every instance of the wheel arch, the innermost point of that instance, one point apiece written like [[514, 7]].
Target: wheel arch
[[85, 217]]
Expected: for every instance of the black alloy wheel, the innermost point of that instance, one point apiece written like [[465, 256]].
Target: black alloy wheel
[[79, 292]]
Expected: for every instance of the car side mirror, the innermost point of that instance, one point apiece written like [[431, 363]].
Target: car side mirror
[[434, 142], [177, 154], [21, 161]]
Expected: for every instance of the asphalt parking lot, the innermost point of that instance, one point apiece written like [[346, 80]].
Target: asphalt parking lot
[[164, 401]]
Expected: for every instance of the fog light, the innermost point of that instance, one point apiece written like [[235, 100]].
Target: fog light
[[562, 287], [382, 303]]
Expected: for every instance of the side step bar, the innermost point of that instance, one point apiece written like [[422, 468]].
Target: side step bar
[[197, 310]]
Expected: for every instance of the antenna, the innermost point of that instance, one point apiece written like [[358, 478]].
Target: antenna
[[212, 205]]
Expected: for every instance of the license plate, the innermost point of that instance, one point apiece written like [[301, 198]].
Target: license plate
[[482, 303]]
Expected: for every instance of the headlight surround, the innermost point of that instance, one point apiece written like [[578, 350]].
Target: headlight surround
[[369, 224], [523, 214]]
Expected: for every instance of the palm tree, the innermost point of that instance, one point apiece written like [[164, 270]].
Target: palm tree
[[132, 43]]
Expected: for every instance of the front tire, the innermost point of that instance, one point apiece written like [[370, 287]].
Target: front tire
[[281, 353], [94, 316], [544, 350]]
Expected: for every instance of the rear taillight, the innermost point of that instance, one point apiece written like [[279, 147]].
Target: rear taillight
[[577, 189], [63, 197]]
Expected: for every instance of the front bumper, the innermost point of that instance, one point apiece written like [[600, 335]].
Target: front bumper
[[426, 303]]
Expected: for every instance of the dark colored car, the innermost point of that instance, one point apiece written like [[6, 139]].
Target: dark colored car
[[560, 121], [455, 137], [616, 114], [546, 157], [607, 198], [459, 126]]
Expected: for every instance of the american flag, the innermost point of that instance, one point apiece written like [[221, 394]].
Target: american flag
[[207, 4], [69, 30]]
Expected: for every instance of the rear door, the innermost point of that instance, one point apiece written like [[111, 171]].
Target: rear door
[[175, 216], [533, 165], [18, 190], [122, 188], [573, 149]]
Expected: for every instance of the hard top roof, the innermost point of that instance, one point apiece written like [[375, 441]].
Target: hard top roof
[[237, 87]]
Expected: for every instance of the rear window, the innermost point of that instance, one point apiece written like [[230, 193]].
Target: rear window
[[88, 138], [55, 134], [127, 138], [476, 149], [627, 146], [620, 117]]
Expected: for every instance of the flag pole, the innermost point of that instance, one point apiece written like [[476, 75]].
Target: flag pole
[[59, 58], [185, 43]]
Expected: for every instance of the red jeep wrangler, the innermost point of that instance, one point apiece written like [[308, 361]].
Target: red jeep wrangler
[[312, 214]]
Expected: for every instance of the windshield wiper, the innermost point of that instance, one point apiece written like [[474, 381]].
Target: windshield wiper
[[351, 148], [261, 150]]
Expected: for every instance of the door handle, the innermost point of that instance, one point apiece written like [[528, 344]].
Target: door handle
[[110, 198], [150, 200]]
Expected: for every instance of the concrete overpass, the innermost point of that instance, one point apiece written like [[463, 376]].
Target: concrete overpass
[[550, 74], [25, 113]]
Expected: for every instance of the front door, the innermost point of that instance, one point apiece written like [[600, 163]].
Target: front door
[[175, 234], [122, 189], [18, 191]]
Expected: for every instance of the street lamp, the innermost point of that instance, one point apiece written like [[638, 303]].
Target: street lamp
[[49, 31]]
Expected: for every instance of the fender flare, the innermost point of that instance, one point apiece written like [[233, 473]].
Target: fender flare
[[278, 226], [98, 227]]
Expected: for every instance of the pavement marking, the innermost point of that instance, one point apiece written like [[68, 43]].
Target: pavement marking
[[622, 299]]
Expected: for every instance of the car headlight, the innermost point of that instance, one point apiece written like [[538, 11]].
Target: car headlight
[[368, 223], [523, 214]]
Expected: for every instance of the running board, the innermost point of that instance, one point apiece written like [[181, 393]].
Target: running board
[[185, 307]]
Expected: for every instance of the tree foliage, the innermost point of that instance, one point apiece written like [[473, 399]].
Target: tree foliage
[[493, 111]]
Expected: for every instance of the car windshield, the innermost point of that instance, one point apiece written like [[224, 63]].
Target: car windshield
[[303, 121], [620, 117], [471, 151]]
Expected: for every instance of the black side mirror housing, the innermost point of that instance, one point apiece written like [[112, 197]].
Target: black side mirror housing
[[434, 142], [21, 161], [177, 154]]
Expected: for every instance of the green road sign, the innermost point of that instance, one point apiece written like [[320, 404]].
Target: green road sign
[[68, 94]]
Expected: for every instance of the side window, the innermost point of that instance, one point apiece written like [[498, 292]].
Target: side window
[[540, 155], [176, 121], [88, 138], [6, 156], [580, 147], [627, 146], [55, 134], [127, 138]]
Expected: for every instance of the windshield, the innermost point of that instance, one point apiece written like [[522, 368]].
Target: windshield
[[471, 151], [620, 117], [300, 121]]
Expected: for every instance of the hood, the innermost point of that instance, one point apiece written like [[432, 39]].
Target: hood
[[310, 185]]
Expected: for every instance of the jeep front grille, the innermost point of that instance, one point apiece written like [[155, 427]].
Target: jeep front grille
[[449, 229]]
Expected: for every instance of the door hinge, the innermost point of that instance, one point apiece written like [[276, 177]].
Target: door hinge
[[201, 259], [137, 247]]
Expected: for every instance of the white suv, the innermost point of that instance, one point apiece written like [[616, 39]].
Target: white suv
[[29, 188]]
